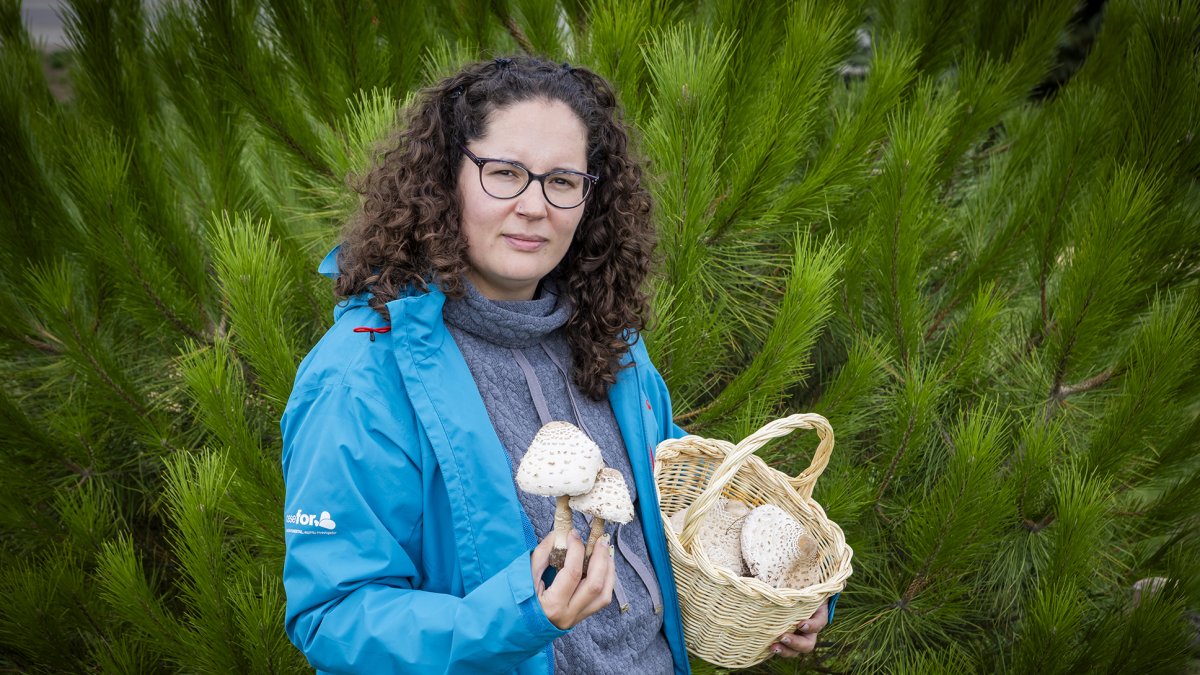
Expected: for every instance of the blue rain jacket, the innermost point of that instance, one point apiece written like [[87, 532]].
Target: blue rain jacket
[[407, 550]]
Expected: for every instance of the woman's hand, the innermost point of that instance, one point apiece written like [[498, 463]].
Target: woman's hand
[[571, 597], [804, 640]]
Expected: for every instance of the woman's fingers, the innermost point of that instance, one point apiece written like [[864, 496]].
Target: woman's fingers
[[589, 595], [816, 622], [602, 573], [804, 640], [567, 578], [612, 572], [538, 562], [794, 644], [571, 597], [557, 600]]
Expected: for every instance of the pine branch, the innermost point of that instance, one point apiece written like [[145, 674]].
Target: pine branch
[[941, 316], [919, 582], [44, 347], [1060, 368], [1035, 527], [285, 136], [1043, 277], [228, 50], [514, 29], [101, 372], [721, 228], [171, 317], [985, 264], [887, 476], [1098, 380], [894, 275], [694, 412], [997, 149]]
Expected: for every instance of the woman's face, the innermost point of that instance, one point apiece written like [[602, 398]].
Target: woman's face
[[513, 243]]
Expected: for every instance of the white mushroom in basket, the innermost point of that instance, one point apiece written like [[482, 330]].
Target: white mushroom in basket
[[607, 500], [720, 533], [561, 462], [778, 549]]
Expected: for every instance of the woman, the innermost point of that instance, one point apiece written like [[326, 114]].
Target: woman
[[493, 283]]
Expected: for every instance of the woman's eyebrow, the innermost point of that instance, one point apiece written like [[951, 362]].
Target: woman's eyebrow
[[526, 166]]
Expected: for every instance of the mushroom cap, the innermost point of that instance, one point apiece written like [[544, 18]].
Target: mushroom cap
[[676, 520], [720, 533], [778, 549], [561, 460], [805, 570], [608, 498]]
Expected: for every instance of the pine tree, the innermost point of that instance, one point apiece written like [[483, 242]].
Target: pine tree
[[969, 243]]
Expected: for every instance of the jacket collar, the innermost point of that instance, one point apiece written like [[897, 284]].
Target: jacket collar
[[329, 268], [329, 265]]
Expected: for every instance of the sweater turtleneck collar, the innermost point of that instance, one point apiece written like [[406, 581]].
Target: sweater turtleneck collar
[[508, 323]]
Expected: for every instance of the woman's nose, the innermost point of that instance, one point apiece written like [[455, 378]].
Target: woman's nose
[[532, 202]]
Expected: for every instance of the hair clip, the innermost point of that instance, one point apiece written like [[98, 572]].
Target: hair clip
[[567, 67], [503, 62]]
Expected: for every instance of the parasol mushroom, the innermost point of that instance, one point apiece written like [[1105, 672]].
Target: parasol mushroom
[[561, 462], [607, 500], [779, 550], [720, 533]]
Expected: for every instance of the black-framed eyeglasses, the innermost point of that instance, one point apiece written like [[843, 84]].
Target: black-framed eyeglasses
[[503, 179]]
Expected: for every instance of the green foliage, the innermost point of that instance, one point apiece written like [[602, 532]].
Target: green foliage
[[50, 600], [260, 285], [861, 211]]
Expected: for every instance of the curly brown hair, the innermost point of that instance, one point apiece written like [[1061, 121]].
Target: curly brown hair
[[408, 231]]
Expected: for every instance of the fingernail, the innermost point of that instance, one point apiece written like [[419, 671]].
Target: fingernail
[[786, 640], [777, 650], [804, 628]]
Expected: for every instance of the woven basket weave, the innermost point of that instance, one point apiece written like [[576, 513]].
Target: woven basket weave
[[729, 620]]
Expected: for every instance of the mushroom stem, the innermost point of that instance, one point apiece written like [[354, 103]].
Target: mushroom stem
[[562, 527], [596, 532]]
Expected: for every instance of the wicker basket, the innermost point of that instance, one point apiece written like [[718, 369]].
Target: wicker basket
[[730, 620]]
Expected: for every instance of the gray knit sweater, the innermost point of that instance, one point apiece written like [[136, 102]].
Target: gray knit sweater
[[609, 641]]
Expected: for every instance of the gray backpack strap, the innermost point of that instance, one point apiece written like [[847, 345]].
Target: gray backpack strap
[[570, 389], [535, 387], [643, 571]]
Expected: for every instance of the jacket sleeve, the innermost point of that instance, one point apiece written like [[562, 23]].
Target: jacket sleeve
[[353, 568]]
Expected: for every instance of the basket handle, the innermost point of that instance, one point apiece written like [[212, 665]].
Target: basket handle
[[733, 461]]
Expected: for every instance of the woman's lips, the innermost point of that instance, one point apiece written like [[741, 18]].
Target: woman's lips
[[522, 243]]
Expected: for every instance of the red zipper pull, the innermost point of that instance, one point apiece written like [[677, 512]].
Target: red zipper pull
[[372, 331]]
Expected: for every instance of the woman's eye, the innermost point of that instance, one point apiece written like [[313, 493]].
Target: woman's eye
[[565, 181]]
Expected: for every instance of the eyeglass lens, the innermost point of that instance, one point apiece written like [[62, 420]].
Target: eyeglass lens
[[504, 180]]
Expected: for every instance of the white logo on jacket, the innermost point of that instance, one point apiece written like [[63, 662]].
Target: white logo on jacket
[[324, 521]]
